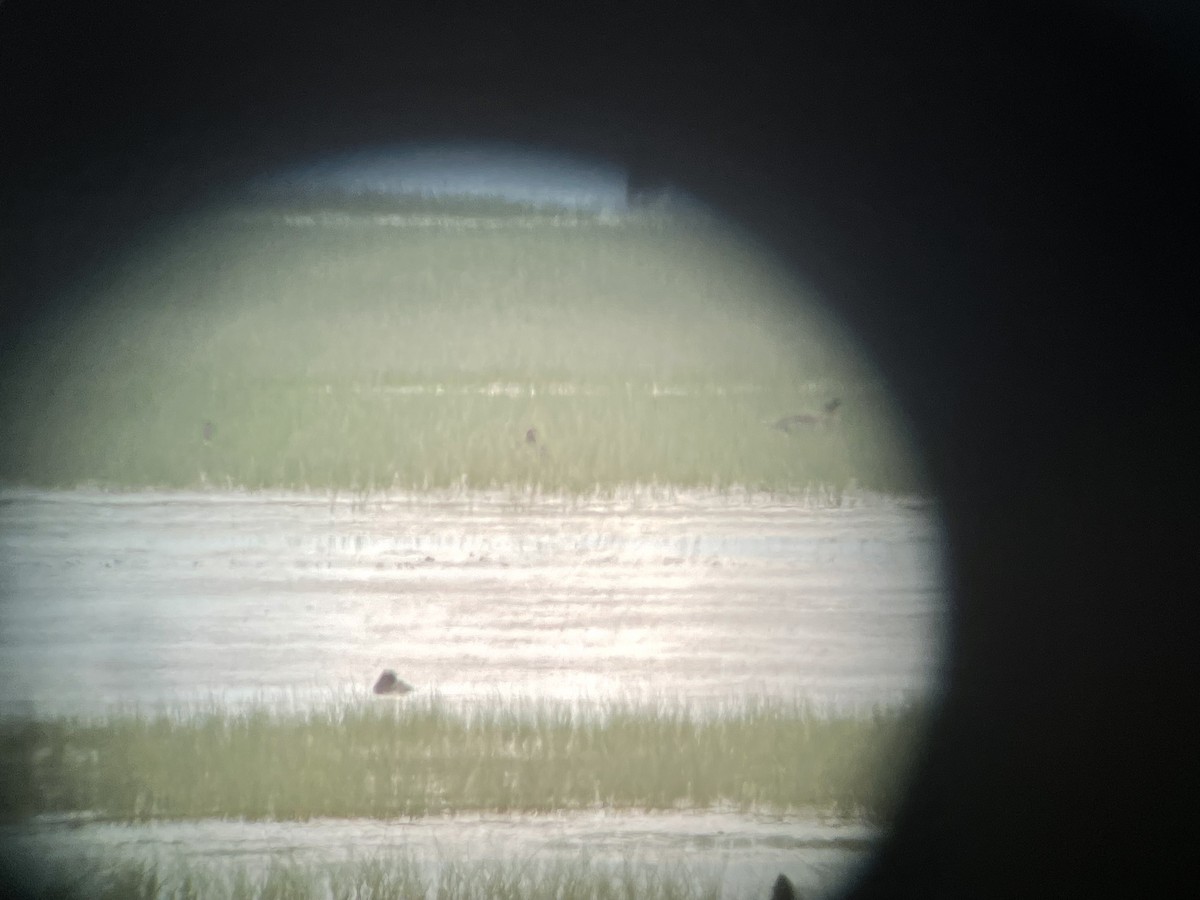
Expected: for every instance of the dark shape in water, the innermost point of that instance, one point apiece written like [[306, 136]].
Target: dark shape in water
[[784, 889], [209, 431], [389, 683], [802, 421], [531, 436]]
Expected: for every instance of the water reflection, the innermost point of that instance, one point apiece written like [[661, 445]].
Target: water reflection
[[149, 598], [165, 597], [744, 853]]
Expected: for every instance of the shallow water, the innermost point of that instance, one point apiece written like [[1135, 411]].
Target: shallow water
[[155, 597], [108, 599], [745, 853]]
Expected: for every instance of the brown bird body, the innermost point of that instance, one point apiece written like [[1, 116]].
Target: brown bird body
[[388, 683]]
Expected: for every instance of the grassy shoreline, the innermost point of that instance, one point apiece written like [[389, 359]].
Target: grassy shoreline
[[375, 357], [412, 759]]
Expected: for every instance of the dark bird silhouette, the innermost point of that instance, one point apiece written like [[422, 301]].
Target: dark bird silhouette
[[388, 683], [804, 421], [531, 441], [784, 889]]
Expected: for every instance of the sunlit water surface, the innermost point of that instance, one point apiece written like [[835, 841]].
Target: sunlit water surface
[[744, 853], [149, 598]]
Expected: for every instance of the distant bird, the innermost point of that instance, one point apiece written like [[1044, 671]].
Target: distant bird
[[808, 421], [531, 441], [389, 683], [209, 431], [784, 889]]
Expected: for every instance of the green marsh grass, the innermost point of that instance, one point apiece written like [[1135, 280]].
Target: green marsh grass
[[421, 756], [355, 354]]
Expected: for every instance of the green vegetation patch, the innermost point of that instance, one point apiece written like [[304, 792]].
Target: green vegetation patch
[[421, 757], [353, 351]]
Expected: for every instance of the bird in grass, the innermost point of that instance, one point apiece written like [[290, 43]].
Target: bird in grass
[[389, 683], [531, 441], [809, 421]]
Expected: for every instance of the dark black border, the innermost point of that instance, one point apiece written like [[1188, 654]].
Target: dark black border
[[1001, 201]]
